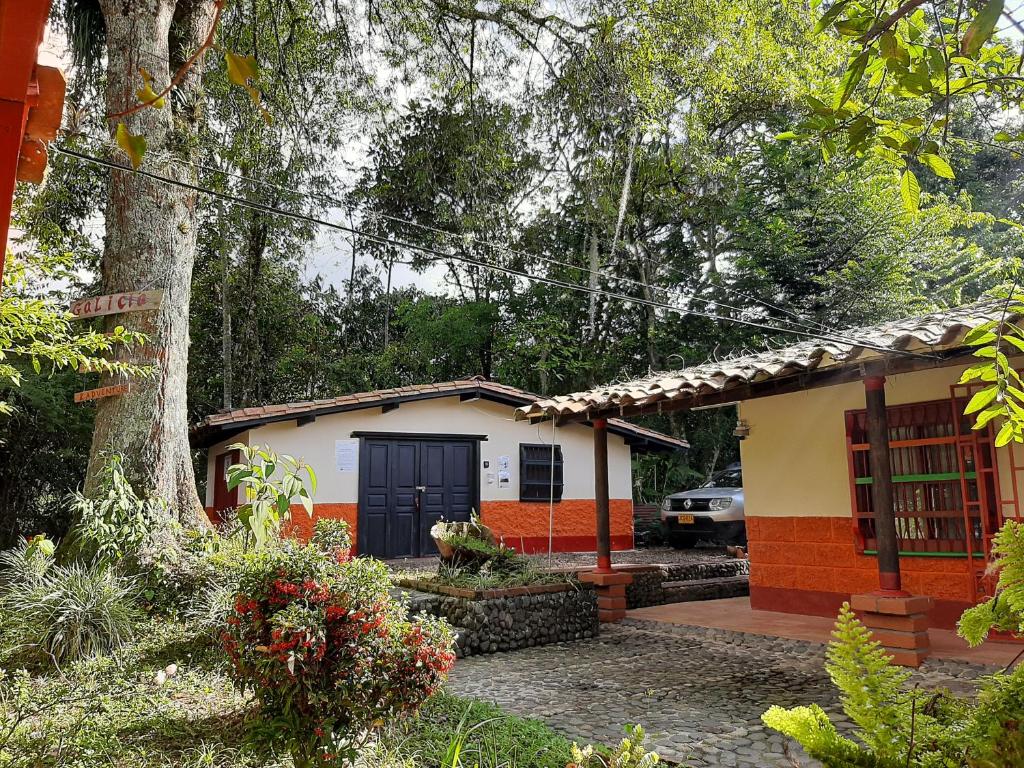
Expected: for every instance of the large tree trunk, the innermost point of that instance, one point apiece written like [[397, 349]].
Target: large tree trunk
[[250, 347], [151, 244]]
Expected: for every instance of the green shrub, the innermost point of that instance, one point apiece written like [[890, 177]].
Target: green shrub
[[631, 753], [115, 525], [333, 538], [482, 734], [271, 482], [995, 732], [900, 728], [326, 651], [1005, 610], [66, 612]]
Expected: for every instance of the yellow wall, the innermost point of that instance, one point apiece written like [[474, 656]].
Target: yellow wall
[[794, 461]]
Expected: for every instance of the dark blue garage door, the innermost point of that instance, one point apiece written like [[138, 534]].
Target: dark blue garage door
[[405, 486]]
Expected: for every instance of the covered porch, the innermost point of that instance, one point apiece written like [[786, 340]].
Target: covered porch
[[907, 541], [735, 614]]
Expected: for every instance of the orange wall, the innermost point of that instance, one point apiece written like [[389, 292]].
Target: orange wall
[[519, 525], [800, 563], [301, 524], [524, 526]]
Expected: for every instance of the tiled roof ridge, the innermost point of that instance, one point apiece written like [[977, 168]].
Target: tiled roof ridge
[[372, 397], [931, 330]]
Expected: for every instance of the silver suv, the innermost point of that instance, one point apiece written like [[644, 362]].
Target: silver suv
[[712, 512]]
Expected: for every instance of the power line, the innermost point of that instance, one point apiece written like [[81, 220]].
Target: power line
[[474, 262], [800, 322]]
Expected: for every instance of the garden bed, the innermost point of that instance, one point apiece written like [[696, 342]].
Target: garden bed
[[492, 620], [684, 582]]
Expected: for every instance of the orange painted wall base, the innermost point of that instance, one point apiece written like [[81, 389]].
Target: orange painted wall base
[[810, 565], [301, 525], [522, 526]]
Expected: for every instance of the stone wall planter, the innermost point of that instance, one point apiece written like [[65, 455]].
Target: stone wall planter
[[492, 620], [660, 584]]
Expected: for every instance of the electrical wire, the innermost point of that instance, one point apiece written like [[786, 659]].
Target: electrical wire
[[672, 293], [432, 252]]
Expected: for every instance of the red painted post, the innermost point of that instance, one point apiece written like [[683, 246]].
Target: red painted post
[[604, 536], [21, 30], [881, 487]]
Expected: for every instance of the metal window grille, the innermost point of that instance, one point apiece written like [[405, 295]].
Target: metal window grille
[[942, 487], [535, 475]]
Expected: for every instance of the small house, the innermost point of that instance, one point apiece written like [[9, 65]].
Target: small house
[[395, 461], [861, 472]]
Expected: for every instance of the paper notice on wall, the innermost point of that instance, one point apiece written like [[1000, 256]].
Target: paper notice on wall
[[503, 477], [503, 463], [346, 455]]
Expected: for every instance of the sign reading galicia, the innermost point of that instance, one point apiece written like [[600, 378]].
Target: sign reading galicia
[[116, 303], [96, 394]]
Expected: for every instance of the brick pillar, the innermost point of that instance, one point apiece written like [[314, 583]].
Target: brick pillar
[[900, 624], [611, 593]]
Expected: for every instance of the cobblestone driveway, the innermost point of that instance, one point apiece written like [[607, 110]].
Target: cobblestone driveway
[[699, 692]]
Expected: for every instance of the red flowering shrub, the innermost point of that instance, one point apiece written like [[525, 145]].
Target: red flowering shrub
[[327, 652]]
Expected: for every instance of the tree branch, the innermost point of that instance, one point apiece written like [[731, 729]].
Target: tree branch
[[179, 76]]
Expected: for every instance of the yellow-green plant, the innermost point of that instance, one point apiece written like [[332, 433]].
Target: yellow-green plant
[[901, 727], [271, 483], [1005, 610], [631, 753]]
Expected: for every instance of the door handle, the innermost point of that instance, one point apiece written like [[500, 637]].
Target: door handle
[[421, 488]]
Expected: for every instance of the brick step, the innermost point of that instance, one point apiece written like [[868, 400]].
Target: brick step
[[706, 589]]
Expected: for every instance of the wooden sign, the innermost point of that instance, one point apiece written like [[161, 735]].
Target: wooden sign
[[96, 394], [116, 303]]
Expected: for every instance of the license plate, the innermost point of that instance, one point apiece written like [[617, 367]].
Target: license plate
[[685, 520]]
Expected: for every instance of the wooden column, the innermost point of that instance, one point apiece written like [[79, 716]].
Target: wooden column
[[604, 537], [881, 486]]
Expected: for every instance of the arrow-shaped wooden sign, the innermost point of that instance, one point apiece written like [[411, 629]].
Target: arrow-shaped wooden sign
[[116, 303], [96, 394]]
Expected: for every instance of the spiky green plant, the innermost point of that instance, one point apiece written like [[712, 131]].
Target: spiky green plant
[[1005, 610], [896, 727], [70, 612], [631, 753]]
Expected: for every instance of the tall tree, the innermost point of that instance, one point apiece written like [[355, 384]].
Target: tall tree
[[151, 237]]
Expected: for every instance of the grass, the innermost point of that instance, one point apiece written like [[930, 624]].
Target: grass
[[112, 712], [525, 575]]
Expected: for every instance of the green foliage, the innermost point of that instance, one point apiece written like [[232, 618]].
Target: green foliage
[[1005, 610], [332, 537], [327, 653], [994, 732], [64, 612], [909, 70], [34, 329], [1002, 393], [870, 688], [811, 728], [630, 753], [115, 524], [268, 498], [113, 711], [896, 727]]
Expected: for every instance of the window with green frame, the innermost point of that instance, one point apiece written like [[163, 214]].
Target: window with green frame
[[942, 484]]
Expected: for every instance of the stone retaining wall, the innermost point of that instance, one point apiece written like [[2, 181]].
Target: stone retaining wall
[[488, 621], [716, 580]]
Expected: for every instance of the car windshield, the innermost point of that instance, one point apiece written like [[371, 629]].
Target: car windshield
[[728, 478]]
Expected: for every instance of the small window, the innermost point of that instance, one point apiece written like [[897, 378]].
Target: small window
[[536, 480]]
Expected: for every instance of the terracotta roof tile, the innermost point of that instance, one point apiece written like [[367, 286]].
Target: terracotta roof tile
[[934, 332], [283, 411]]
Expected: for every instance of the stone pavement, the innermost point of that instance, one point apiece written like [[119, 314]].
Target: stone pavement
[[698, 692]]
